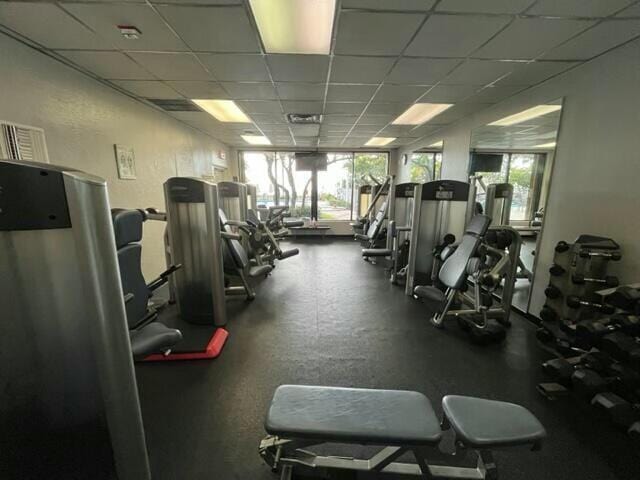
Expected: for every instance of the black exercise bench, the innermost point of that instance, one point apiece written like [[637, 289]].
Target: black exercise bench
[[401, 422]]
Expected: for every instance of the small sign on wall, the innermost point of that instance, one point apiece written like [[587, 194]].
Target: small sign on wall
[[126, 162]]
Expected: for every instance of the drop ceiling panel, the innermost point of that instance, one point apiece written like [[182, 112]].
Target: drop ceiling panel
[[479, 72], [459, 111], [367, 33], [299, 68], [387, 108], [484, 6], [109, 65], [399, 93], [274, 129], [496, 93], [49, 25], [352, 93], [204, 2], [346, 108], [305, 130], [332, 119], [385, 5], [269, 118], [426, 129], [260, 107], [526, 38], [104, 19], [250, 91], [148, 89], [172, 66], [397, 131], [632, 11], [454, 35], [229, 67], [404, 140], [379, 120], [532, 73], [350, 69], [213, 29], [301, 91], [291, 106], [420, 71], [199, 89], [597, 40], [578, 8], [450, 93]]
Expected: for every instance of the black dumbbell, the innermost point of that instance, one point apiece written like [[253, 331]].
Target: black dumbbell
[[634, 431], [587, 382], [562, 247], [574, 301], [620, 346], [609, 280], [552, 292], [589, 332], [561, 370], [622, 413], [556, 270], [548, 314], [615, 256]]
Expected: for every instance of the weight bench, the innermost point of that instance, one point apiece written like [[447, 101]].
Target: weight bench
[[401, 422]]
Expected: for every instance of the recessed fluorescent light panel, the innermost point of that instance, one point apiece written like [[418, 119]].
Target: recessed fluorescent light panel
[[379, 141], [295, 26], [419, 113], [438, 144], [546, 145], [256, 139], [223, 110], [525, 115]]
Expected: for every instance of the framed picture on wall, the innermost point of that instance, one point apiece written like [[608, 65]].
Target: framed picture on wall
[[126, 161]]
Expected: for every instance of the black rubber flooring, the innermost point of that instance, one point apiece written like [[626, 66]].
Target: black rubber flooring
[[326, 317]]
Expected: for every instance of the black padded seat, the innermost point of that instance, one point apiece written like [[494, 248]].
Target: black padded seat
[[429, 293], [481, 423], [152, 338], [376, 252], [353, 415]]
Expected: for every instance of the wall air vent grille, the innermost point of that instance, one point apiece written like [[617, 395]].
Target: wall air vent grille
[[19, 142]]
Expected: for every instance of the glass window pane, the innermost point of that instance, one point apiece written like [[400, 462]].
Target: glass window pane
[[335, 188], [492, 177], [295, 186], [365, 164], [521, 176], [261, 172], [422, 166]]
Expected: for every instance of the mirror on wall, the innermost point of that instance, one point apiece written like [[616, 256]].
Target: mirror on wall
[[518, 149], [425, 164]]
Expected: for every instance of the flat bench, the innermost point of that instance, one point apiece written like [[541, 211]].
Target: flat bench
[[399, 421]]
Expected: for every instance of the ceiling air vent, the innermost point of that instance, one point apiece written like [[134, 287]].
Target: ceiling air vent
[[304, 118], [177, 105]]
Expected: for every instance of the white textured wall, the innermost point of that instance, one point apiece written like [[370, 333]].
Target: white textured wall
[[595, 184], [83, 119]]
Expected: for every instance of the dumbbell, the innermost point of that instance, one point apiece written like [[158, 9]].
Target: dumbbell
[[615, 256], [562, 247], [552, 292], [620, 412], [609, 280], [587, 382], [548, 314], [574, 301], [561, 370], [589, 332], [622, 347], [556, 270]]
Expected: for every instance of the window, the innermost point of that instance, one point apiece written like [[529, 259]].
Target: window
[[425, 166], [279, 183]]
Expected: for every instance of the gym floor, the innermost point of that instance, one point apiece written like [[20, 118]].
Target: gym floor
[[326, 317]]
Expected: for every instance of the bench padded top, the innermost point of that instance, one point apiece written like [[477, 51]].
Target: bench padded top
[[353, 415], [481, 423]]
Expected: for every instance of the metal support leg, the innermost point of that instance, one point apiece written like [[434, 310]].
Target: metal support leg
[[438, 318], [422, 463], [251, 294]]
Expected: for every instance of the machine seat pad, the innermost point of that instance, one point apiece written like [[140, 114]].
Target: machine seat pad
[[153, 338], [481, 423], [260, 270], [376, 252], [429, 293], [353, 415], [288, 253], [361, 237]]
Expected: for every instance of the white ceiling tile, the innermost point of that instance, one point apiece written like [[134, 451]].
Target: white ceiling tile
[[333, 119], [397, 131], [298, 68], [104, 19], [204, 2], [109, 65], [369, 33], [386, 5], [450, 93], [305, 130], [599, 39], [404, 140], [526, 38], [291, 106], [148, 89], [425, 129], [376, 108], [359, 69], [484, 6], [213, 29], [420, 71], [380, 120], [250, 91], [536, 72], [479, 72], [229, 67], [454, 35], [269, 118], [49, 25], [578, 8], [274, 129], [301, 91], [350, 93], [172, 66], [344, 108], [399, 93], [459, 111], [496, 93], [199, 89], [260, 107], [632, 11]]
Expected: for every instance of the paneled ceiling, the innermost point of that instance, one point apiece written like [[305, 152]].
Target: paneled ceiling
[[385, 56]]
